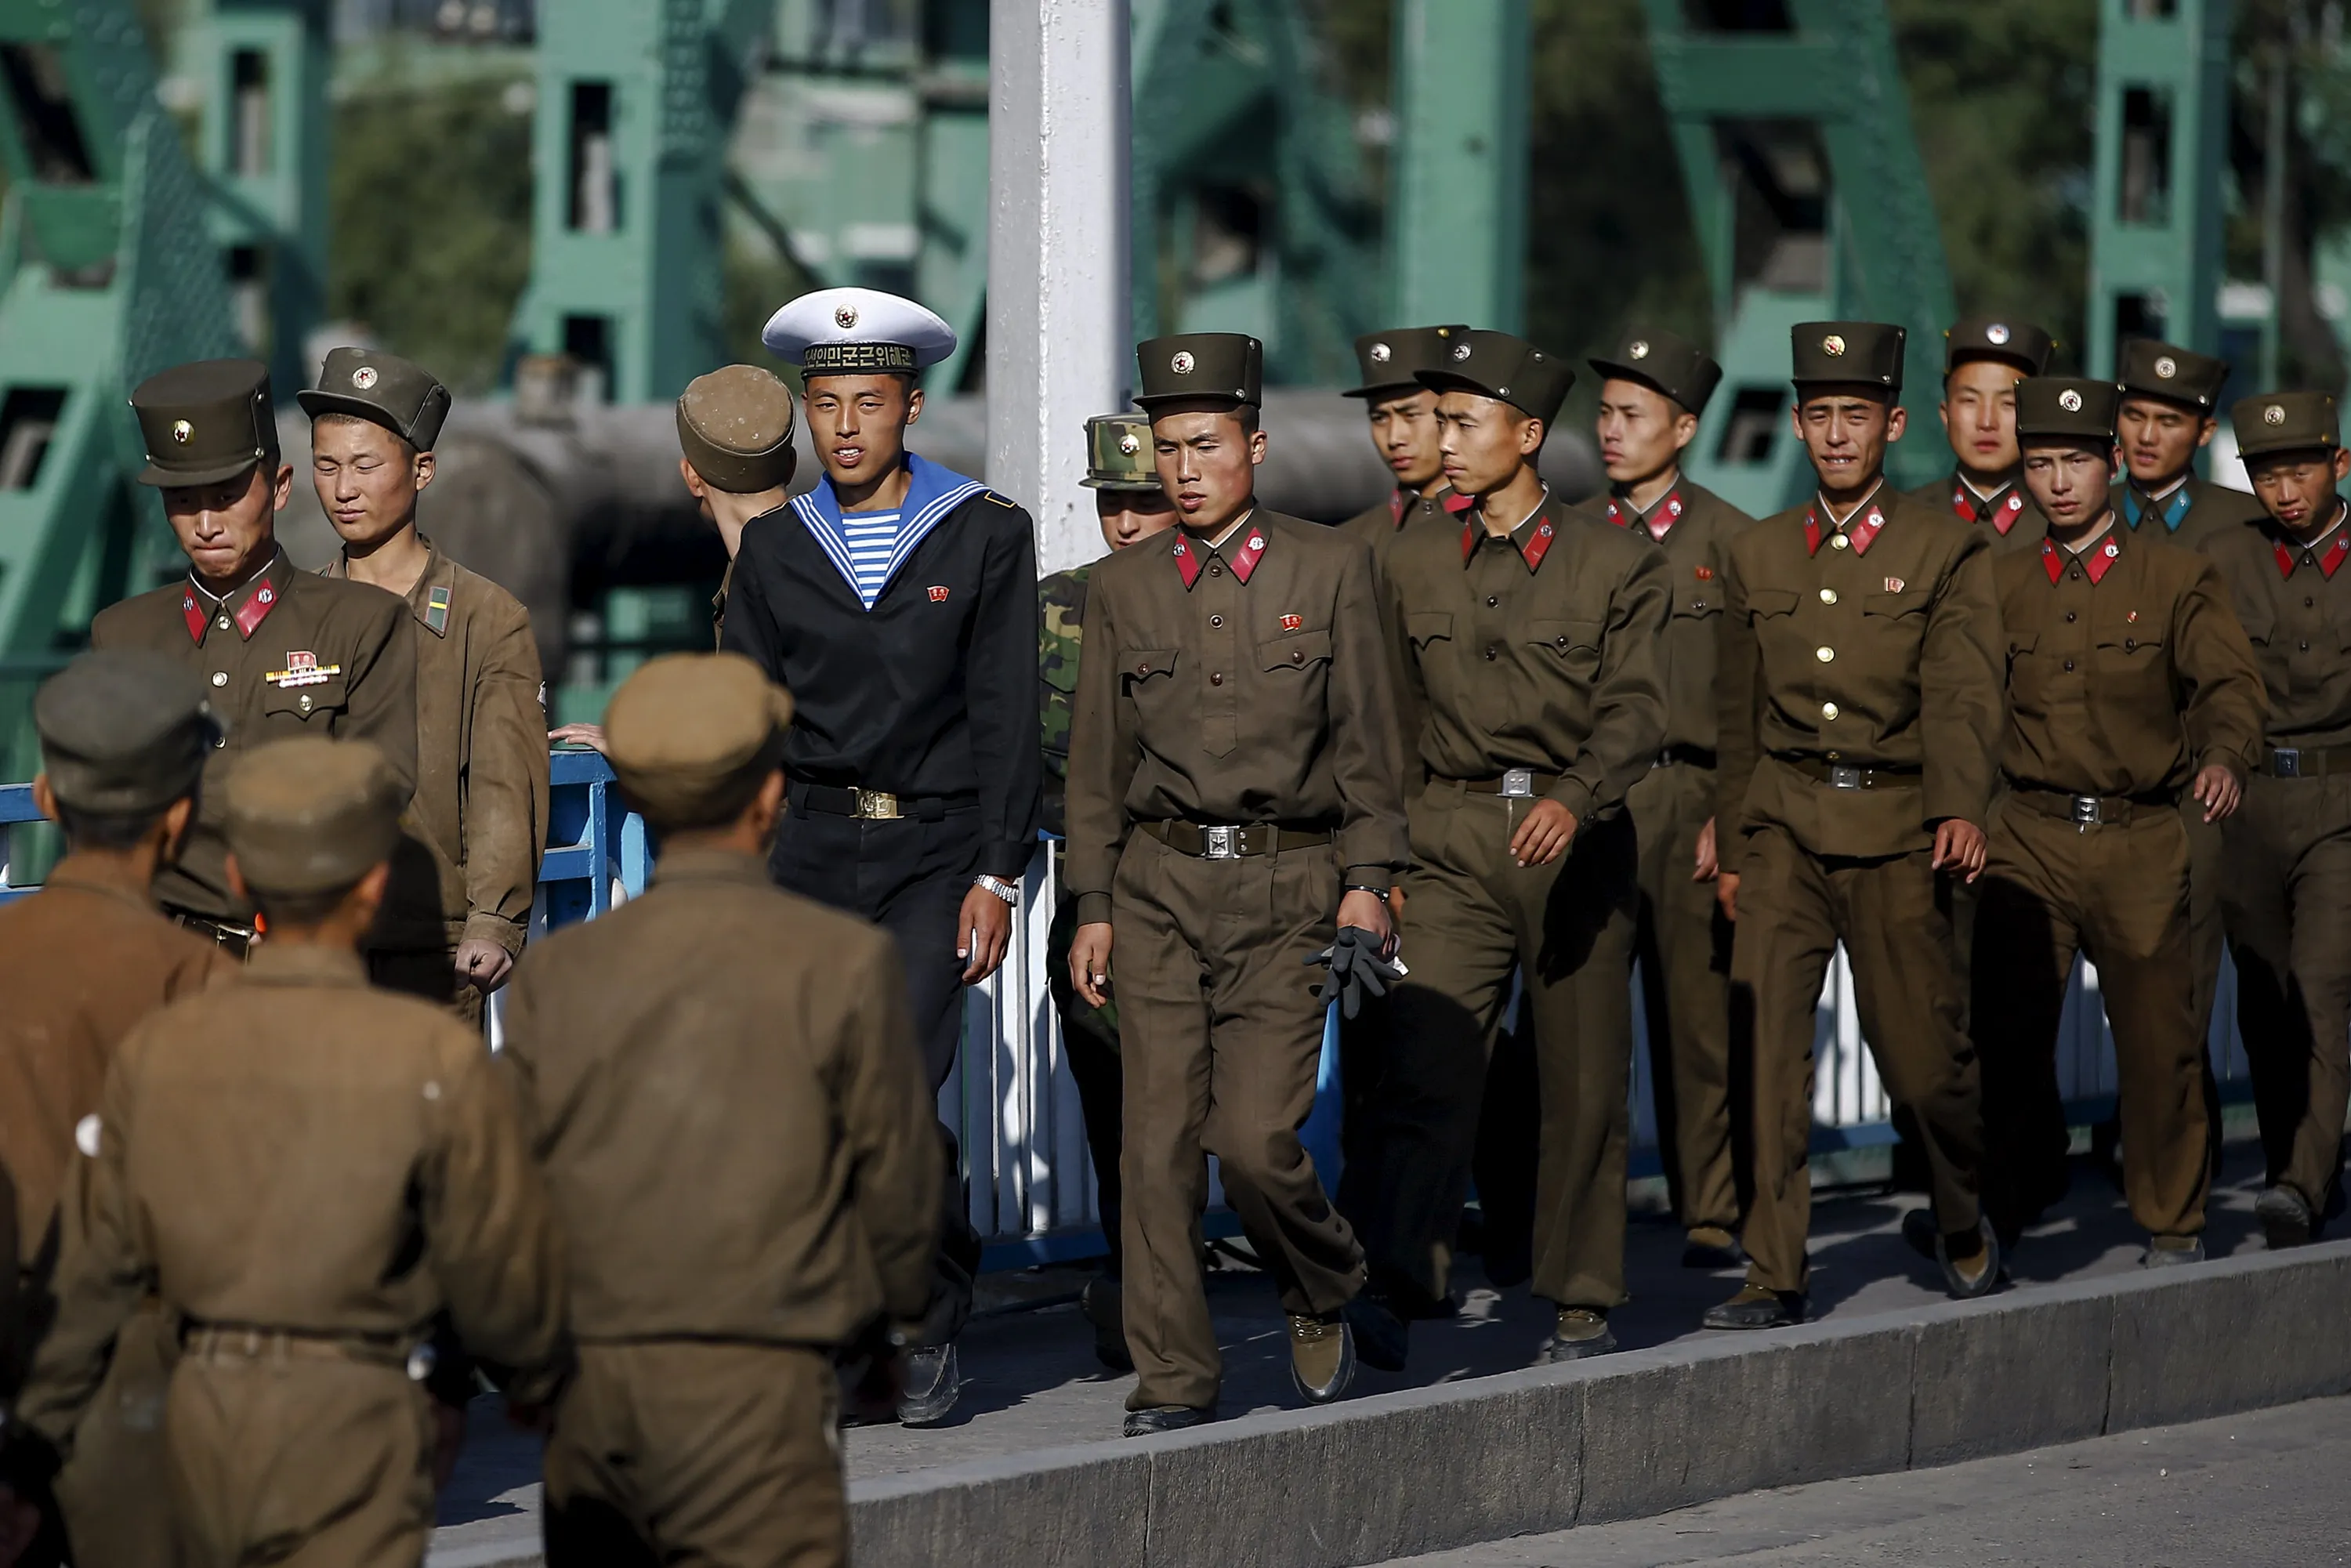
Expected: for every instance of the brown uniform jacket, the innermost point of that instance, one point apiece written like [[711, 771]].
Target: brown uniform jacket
[[480, 808], [718, 605], [1253, 693], [290, 654], [1540, 651], [2295, 603], [2212, 510], [1693, 544], [296, 1151], [2127, 669], [1884, 656], [722, 1084], [1380, 524], [2007, 518]]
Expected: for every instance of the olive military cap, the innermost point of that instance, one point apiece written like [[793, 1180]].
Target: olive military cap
[[2011, 342], [1665, 362], [691, 737], [1216, 366], [1864, 353], [1119, 455], [2066, 407], [312, 815], [2150, 369], [204, 421], [1497, 365], [2286, 422], [124, 732], [383, 388], [1391, 361], [735, 425]]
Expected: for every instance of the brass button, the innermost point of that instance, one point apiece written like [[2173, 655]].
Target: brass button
[[305, 701], [1216, 679], [1839, 541], [1143, 669], [1297, 655], [1828, 596], [221, 623], [1828, 710], [220, 677], [1824, 655], [1216, 569]]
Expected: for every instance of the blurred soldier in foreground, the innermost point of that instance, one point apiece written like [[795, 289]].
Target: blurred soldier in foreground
[[1860, 707], [2287, 883], [1655, 385], [1123, 473], [1983, 359], [724, 1090], [1528, 641], [1235, 819], [307, 1171], [455, 915], [2128, 683], [285, 653], [123, 741], [1404, 429]]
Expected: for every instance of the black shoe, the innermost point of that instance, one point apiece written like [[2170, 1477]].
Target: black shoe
[[1579, 1331], [1383, 1338], [2172, 1252], [933, 1382], [2286, 1218], [1102, 1304], [1920, 1230], [1757, 1308], [1712, 1246], [1165, 1418], [1964, 1286]]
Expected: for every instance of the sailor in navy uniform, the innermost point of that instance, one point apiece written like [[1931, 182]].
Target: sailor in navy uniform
[[897, 602]]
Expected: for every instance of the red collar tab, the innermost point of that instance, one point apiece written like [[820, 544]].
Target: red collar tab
[[1537, 543], [196, 615], [2000, 508], [1395, 507], [1245, 558], [256, 607], [1243, 561], [1660, 518], [1457, 503], [2333, 556], [1859, 533], [2097, 562], [1188, 560]]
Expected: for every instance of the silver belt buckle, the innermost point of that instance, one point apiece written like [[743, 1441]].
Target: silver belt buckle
[[1844, 776], [1223, 843], [2285, 762], [2086, 810], [877, 806], [1518, 783]]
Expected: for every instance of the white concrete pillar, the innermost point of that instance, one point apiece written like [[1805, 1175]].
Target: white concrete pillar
[[1058, 119]]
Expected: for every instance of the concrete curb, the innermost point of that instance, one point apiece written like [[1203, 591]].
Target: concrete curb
[[1642, 1433]]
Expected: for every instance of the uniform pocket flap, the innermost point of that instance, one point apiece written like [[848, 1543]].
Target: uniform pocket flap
[[303, 698], [2131, 639], [1297, 650], [1141, 663], [1893, 603], [1699, 604], [1422, 625], [1772, 601], [1564, 634], [2021, 642]]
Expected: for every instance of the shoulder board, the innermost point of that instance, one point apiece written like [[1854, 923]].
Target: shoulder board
[[999, 500]]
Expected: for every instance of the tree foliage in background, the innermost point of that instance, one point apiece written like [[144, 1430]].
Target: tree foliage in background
[[2304, 42]]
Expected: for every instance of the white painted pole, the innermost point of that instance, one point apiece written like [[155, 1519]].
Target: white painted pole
[[1058, 311]]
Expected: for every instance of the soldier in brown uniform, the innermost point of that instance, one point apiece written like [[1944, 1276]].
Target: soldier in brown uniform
[[459, 904], [1983, 359], [2286, 889], [723, 1085], [2129, 681], [1234, 812], [1529, 641], [1860, 705], [1404, 429], [124, 740], [1654, 386], [285, 653], [306, 1170]]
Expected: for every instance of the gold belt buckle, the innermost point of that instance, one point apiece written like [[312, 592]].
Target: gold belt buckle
[[877, 806]]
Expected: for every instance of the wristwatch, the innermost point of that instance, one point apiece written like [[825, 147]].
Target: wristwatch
[[1006, 891]]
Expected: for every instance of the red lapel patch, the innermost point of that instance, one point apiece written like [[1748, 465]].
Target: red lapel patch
[[1188, 560], [256, 607], [1245, 558], [194, 613]]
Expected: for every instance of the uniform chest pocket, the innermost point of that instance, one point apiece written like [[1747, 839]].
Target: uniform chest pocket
[[1142, 668], [1765, 603], [1426, 626], [2130, 647], [328, 696], [1893, 604], [1300, 650], [1698, 604]]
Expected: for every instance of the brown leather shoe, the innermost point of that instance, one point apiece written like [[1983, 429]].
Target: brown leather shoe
[[1757, 1308], [1322, 1357], [1580, 1332]]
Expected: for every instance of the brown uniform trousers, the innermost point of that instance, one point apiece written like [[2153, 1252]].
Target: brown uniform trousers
[[294, 1433], [1243, 687], [80, 963], [1859, 705], [722, 1082], [290, 654], [2287, 887], [468, 864]]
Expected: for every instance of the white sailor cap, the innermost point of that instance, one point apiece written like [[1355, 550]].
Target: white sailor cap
[[852, 331]]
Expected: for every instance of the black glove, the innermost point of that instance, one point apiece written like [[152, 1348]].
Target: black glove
[[1357, 969]]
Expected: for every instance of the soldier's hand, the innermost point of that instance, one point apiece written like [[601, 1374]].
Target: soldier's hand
[[483, 964], [1726, 894], [588, 735], [1708, 867], [1370, 912], [2220, 791], [1960, 847], [1090, 962], [1544, 836], [987, 927]]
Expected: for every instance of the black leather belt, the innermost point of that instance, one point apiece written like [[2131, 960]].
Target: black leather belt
[[1216, 844], [1513, 784], [2305, 762], [879, 805], [1849, 776], [2087, 811]]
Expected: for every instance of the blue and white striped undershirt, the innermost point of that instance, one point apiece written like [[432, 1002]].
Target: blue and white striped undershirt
[[870, 536]]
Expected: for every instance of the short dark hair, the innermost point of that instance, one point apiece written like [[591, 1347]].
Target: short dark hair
[[106, 829], [345, 417], [1247, 414], [300, 909]]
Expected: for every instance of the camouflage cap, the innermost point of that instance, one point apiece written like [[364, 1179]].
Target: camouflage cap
[[2286, 422], [384, 389], [1119, 455], [692, 736], [1665, 362], [1390, 361], [2150, 368], [1227, 367], [204, 421], [1864, 353], [2011, 342], [124, 731], [735, 425], [2066, 406], [1497, 365], [312, 815]]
